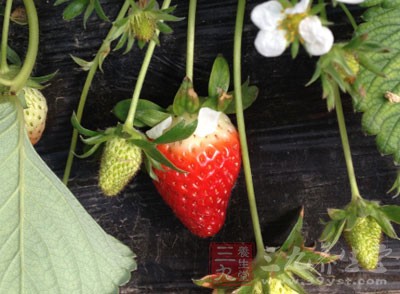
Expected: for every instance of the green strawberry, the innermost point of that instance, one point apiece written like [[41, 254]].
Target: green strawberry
[[144, 25], [35, 114], [120, 161], [364, 239]]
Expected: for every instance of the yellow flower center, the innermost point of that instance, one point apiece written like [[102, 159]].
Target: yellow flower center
[[291, 25]]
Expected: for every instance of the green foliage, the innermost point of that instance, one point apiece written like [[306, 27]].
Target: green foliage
[[49, 242], [381, 116], [76, 7]]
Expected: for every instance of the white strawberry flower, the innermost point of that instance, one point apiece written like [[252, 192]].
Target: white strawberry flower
[[279, 27]]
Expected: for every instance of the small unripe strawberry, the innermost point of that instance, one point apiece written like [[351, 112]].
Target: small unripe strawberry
[[277, 287], [143, 25], [120, 161], [364, 239], [353, 64], [35, 114]]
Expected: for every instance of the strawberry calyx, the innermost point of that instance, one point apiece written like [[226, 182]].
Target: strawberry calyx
[[356, 216], [141, 24], [276, 269], [341, 65]]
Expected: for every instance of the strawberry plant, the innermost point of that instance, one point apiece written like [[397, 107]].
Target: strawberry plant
[[191, 149]]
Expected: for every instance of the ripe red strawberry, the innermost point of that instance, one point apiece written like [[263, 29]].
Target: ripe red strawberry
[[35, 114], [200, 197]]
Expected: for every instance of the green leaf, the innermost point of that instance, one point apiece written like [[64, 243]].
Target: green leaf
[[249, 95], [219, 77], [178, 132], [381, 117], [75, 8], [147, 113], [50, 244]]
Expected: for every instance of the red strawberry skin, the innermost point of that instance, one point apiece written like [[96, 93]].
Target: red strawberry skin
[[200, 197]]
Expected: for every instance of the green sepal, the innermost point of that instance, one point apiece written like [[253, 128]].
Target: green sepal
[[21, 99], [178, 132], [287, 279], [13, 56], [90, 152], [295, 237], [249, 95], [336, 214], [186, 99], [294, 49], [98, 139], [85, 65], [42, 79], [217, 281], [151, 150], [99, 10], [332, 233], [149, 164], [219, 77], [384, 223], [83, 131], [147, 113], [305, 271], [164, 28], [392, 212], [314, 257]]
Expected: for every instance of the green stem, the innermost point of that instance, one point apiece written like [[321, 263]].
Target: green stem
[[349, 15], [190, 39], [4, 37], [20, 80], [241, 125], [355, 194], [140, 80], [89, 78]]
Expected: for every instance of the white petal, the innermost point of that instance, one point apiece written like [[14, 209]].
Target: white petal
[[351, 1], [158, 130], [207, 122], [318, 39], [271, 43], [300, 7], [267, 16]]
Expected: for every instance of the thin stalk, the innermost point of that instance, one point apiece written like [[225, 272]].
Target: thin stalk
[[89, 78], [140, 80], [21, 78], [4, 37], [241, 125], [355, 194], [349, 15], [190, 39]]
